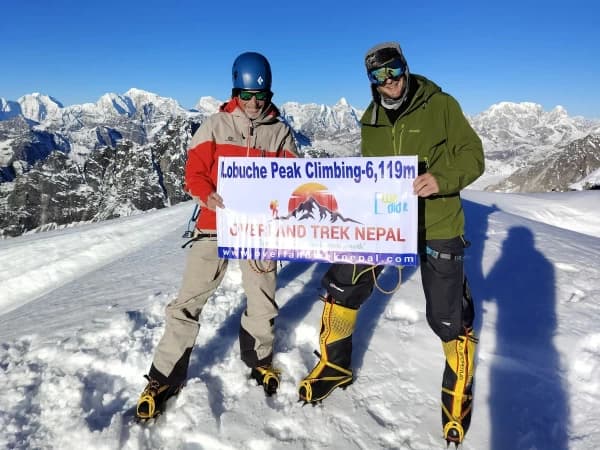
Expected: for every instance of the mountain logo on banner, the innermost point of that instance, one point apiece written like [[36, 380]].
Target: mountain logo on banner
[[313, 201]]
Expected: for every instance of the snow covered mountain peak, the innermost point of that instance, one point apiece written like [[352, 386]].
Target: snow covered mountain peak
[[141, 99], [557, 113], [527, 122], [523, 109], [208, 105], [319, 119], [39, 107], [9, 109], [514, 135], [115, 104], [528, 113]]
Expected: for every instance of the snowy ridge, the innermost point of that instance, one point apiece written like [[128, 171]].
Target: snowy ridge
[[9, 109], [321, 120], [113, 104], [528, 121], [141, 99], [140, 139], [593, 179], [514, 134], [39, 107], [208, 105], [50, 113], [521, 135], [126, 153], [72, 359]]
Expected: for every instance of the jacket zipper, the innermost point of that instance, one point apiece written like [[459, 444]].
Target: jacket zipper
[[250, 136], [397, 139]]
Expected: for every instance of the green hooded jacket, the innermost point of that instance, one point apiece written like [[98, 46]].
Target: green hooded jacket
[[433, 127]]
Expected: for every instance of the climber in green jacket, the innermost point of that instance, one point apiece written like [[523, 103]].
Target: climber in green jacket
[[410, 115]]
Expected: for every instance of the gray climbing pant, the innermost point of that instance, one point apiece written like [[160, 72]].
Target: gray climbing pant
[[203, 274]]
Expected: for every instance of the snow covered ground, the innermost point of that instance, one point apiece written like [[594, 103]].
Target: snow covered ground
[[81, 310]]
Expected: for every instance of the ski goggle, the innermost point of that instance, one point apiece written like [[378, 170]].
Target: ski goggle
[[247, 95], [393, 70]]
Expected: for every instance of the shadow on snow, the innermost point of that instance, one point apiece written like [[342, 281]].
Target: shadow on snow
[[528, 401]]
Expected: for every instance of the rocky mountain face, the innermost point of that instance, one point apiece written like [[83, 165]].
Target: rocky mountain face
[[325, 131], [112, 182], [90, 162], [123, 154], [559, 171], [520, 139], [126, 153]]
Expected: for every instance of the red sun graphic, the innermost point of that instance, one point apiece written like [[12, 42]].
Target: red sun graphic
[[316, 191]]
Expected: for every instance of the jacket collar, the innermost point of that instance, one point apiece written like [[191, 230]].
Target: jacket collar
[[420, 90]]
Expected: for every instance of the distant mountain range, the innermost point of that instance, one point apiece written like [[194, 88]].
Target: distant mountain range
[[522, 141], [126, 153]]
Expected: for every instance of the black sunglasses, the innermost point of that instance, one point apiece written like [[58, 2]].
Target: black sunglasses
[[260, 95]]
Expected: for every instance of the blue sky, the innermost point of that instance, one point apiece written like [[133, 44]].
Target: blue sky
[[546, 52]]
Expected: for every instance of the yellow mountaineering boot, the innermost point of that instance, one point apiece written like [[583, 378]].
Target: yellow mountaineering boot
[[153, 399], [335, 342], [457, 386]]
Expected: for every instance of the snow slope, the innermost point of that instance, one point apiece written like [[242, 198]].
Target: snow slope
[[81, 310]]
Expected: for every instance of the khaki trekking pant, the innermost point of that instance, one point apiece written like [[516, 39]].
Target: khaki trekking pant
[[204, 272]]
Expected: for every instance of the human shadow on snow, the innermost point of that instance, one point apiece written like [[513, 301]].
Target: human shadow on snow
[[291, 313], [226, 336], [216, 349], [98, 412], [374, 307], [298, 307], [210, 353], [527, 398], [528, 401]]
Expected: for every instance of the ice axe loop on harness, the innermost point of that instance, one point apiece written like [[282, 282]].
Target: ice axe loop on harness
[[192, 233], [189, 232]]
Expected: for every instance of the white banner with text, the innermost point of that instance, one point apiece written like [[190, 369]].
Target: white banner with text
[[349, 210]]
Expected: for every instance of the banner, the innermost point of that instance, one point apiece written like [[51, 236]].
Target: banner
[[350, 210]]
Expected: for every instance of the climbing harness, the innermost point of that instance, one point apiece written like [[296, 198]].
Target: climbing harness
[[440, 255]]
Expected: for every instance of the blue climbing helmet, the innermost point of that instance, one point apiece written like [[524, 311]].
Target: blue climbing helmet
[[251, 71]]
